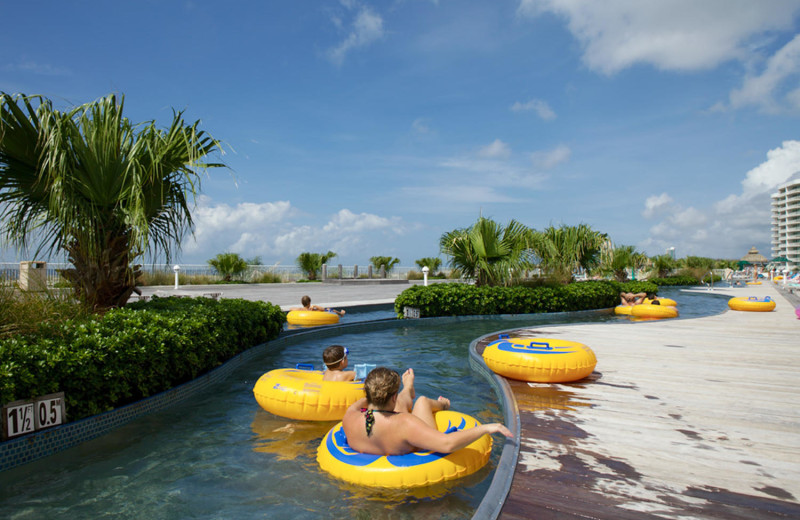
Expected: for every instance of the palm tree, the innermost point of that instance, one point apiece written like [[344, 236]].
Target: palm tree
[[311, 263], [89, 183], [228, 265], [431, 262], [618, 259], [488, 252], [387, 261], [663, 265], [563, 250]]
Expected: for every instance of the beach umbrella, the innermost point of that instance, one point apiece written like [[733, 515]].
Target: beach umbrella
[[781, 259]]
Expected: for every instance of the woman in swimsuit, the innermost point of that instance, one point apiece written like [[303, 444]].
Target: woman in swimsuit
[[390, 422]]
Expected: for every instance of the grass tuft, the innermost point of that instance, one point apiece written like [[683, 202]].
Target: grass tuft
[[25, 312]]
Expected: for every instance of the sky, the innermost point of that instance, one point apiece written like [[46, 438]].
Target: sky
[[372, 128]]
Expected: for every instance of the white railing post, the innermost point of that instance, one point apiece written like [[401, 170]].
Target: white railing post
[[176, 268]]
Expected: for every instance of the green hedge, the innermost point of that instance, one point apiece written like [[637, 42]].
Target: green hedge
[[675, 280], [457, 299], [132, 353]]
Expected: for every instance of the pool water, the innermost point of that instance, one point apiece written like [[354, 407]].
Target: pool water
[[221, 456]]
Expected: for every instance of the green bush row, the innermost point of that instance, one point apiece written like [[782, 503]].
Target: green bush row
[[131, 353], [457, 299], [675, 280]]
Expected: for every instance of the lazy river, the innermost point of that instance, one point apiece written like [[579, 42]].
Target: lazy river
[[220, 455]]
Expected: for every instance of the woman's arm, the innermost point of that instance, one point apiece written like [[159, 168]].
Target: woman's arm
[[423, 437]]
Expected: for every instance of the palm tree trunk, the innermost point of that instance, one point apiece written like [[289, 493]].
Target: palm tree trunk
[[106, 282]]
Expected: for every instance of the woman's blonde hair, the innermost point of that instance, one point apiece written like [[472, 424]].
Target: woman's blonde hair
[[380, 385]]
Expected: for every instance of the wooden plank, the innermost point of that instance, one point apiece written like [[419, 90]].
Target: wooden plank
[[682, 418]]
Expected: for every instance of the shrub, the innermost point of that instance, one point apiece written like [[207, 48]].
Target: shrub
[[455, 299], [675, 280], [149, 278], [131, 353], [267, 277], [416, 275]]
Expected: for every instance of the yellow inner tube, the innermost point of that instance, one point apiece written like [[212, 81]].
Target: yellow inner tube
[[420, 468], [654, 311], [752, 304], [662, 301], [312, 318], [541, 360], [753, 283], [303, 395], [623, 310]]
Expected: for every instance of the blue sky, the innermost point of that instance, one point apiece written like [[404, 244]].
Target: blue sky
[[371, 128]]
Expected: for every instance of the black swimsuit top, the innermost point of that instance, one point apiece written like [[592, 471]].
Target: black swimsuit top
[[370, 415]]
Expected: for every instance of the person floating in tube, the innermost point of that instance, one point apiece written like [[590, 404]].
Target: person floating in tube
[[305, 301], [389, 421]]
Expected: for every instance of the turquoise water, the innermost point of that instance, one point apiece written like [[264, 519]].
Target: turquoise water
[[221, 456]]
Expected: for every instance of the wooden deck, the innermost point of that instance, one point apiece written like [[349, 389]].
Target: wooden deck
[[681, 419]]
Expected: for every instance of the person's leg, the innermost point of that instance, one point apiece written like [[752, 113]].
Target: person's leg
[[405, 399], [425, 407]]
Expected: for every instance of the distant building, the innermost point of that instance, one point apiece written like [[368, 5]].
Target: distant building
[[671, 252], [786, 221]]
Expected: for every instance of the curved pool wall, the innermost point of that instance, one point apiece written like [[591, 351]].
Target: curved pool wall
[[495, 496]]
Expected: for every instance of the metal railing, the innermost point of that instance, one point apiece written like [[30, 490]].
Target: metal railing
[[9, 272]]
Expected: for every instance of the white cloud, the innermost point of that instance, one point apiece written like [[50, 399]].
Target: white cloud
[[347, 221], [733, 224], [346, 233], [541, 108], [497, 150], [675, 35], [781, 164], [41, 69], [656, 204], [490, 173], [760, 89], [687, 35], [367, 27], [551, 158], [421, 126], [222, 227], [793, 98], [445, 197], [267, 230]]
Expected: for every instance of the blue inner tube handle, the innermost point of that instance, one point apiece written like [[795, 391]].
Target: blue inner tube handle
[[304, 366], [540, 345]]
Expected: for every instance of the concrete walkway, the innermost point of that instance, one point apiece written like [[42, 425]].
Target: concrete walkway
[[681, 419]]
